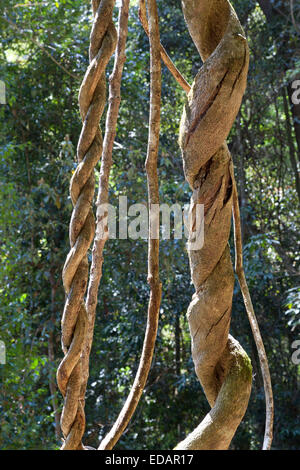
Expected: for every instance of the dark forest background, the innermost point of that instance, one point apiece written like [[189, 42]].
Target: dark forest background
[[43, 57]]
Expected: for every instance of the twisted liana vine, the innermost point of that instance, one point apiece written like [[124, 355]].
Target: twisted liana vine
[[163, 53], [221, 364], [238, 246], [92, 96], [139, 383]]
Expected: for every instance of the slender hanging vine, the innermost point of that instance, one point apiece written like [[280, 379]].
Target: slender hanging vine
[[163, 53], [92, 96]]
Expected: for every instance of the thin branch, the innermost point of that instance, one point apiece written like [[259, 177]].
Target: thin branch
[[164, 55], [253, 322], [34, 41], [71, 377], [153, 244]]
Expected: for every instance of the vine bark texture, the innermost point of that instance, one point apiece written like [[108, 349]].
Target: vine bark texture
[[221, 364]]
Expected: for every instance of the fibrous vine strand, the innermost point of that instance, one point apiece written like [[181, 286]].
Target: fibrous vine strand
[[92, 97], [239, 258], [221, 364]]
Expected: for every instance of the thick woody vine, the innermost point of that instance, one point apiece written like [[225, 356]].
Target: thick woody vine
[[73, 372], [213, 101], [221, 364]]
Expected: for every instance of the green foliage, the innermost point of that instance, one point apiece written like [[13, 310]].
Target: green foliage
[[39, 130]]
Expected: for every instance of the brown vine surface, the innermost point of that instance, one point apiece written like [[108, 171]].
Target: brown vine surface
[[221, 364]]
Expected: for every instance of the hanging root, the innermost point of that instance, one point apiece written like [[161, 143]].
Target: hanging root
[[253, 322], [153, 245], [221, 364], [82, 227]]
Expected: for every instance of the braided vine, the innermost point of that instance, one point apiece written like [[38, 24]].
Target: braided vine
[[92, 96], [221, 364]]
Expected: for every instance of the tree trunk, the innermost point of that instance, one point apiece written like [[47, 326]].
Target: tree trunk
[[295, 109]]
